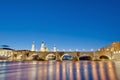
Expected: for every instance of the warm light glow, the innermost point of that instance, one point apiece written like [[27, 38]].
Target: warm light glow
[[45, 71], [63, 71], [111, 71], [71, 71], [50, 71], [78, 71], [102, 71], [57, 71], [86, 71], [94, 71]]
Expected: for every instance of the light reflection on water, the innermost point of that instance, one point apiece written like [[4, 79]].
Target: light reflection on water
[[65, 70]]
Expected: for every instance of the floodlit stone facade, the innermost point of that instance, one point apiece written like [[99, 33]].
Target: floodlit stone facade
[[111, 51], [5, 53]]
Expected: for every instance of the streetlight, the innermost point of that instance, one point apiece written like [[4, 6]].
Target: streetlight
[[70, 50], [63, 50], [76, 50], [83, 49]]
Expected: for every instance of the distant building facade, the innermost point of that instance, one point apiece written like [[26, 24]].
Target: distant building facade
[[5, 53]]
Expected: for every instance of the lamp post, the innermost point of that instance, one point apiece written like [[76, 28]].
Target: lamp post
[[76, 50]]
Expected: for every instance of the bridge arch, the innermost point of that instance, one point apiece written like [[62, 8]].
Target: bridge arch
[[35, 56], [85, 57], [50, 57], [66, 56], [104, 57]]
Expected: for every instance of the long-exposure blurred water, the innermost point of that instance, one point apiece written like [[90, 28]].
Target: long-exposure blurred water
[[65, 70]]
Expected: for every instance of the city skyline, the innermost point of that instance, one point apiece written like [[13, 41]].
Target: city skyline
[[74, 24]]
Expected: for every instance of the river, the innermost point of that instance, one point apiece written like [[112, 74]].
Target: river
[[64, 70]]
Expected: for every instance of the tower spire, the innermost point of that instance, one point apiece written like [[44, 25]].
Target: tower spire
[[33, 47], [54, 49], [42, 46]]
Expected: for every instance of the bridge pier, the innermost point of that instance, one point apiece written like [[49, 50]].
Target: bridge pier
[[75, 58], [58, 58]]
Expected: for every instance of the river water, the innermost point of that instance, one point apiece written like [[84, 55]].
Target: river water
[[65, 70]]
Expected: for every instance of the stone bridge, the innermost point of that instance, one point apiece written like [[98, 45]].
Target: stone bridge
[[58, 56]]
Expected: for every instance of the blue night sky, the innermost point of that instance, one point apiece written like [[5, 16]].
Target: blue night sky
[[69, 24]]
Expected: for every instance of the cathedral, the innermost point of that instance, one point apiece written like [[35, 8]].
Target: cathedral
[[43, 48]]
